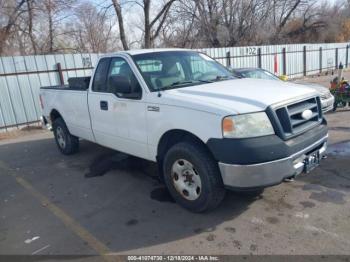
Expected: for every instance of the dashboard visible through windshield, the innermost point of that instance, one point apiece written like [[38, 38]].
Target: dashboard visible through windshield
[[176, 69]]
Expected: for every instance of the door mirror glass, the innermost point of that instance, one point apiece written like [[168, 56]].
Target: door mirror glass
[[120, 84]]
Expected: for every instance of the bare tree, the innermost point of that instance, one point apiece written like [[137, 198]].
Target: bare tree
[[152, 26], [30, 25], [49, 26], [227, 22], [180, 29], [93, 30], [118, 11], [283, 10], [53, 13], [10, 12]]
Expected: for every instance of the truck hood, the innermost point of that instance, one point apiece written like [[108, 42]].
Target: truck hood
[[241, 95]]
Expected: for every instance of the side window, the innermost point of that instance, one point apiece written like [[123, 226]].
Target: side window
[[120, 71], [100, 77]]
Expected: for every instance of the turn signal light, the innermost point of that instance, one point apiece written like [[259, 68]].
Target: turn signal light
[[227, 125]]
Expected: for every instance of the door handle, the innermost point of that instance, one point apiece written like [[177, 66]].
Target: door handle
[[104, 105]]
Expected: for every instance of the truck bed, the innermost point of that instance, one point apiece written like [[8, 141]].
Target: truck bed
[[74, 83], [65, 87]]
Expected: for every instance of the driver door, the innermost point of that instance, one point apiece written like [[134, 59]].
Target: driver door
[[118, 121]]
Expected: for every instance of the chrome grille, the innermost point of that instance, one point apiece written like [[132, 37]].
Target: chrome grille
[[290, 118]]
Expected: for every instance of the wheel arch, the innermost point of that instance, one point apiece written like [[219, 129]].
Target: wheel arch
[[54, 114], [172, 137]]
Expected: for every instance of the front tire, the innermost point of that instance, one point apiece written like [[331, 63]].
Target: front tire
[[66, 143], [193, 177]]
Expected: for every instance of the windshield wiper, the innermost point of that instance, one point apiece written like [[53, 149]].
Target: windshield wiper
[[219, 78], [180, 83]]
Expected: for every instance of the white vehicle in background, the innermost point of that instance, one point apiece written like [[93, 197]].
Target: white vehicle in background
[[207, 130], [327, 99]]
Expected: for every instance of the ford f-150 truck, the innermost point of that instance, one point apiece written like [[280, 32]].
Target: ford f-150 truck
[[207, 131]]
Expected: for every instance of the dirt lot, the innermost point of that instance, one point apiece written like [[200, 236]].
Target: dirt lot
[[48, 206]]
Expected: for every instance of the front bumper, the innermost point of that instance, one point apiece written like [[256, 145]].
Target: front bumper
[[269, 173]]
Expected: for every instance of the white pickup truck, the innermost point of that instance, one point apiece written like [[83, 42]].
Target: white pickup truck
[[207, 131]]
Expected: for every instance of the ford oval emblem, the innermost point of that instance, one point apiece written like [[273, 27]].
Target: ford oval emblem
[[307, 114]]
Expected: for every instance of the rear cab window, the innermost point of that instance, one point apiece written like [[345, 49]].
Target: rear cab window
[[99, 83]]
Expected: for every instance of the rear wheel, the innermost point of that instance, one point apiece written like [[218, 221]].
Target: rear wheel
[[193, 177], [66, 143]]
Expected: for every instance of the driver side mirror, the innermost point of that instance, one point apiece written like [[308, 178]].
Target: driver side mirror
[[120, 85]]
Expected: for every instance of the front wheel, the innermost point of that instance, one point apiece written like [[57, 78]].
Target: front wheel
[[66, 143], [193, 177]]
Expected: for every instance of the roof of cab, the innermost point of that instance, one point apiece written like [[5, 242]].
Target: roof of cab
[[151, 50], [154, 50]]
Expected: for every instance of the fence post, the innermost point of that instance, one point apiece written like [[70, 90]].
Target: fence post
[[228, 59], [284, 61], [320, 59], [347, 56], [259, 58], [60, 73], [304, 60], [336, 58]]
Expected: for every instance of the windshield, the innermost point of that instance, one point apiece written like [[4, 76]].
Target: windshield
[[259, 74], [175, 69]]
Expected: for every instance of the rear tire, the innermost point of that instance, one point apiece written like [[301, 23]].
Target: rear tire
[[192, 177], [66, 143]]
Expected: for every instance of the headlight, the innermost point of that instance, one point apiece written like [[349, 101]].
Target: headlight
[[247, 125]]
